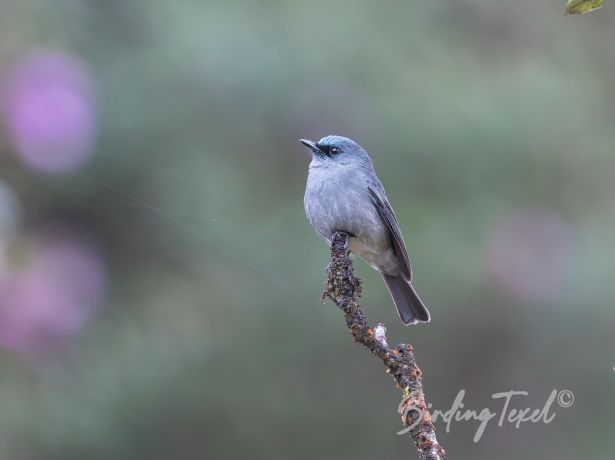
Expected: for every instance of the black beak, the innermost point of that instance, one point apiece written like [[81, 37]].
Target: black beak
[[312, 146]]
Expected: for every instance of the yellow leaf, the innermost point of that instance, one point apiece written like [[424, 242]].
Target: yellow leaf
[[583, 6]]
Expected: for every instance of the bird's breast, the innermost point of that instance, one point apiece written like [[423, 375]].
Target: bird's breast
[[338, 200]]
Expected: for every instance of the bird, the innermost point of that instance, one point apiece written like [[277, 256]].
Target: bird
[[343, 193]]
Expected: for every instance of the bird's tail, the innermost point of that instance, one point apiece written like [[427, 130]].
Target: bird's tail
[[409, 306]]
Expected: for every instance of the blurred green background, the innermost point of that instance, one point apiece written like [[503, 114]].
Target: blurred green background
[[159, 282]]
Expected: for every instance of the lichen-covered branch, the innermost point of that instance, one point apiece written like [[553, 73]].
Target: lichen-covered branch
[[343, 288]]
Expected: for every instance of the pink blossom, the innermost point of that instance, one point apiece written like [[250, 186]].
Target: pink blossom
[[54, 296], [49, 111]]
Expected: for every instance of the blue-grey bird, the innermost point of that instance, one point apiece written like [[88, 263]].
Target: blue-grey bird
[[343, 193]]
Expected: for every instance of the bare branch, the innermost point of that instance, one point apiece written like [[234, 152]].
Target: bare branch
[[343, 288]]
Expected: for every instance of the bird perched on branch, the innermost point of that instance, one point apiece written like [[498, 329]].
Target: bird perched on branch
[[343, 193]]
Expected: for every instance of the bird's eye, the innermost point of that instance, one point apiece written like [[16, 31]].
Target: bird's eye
[[334, 150]]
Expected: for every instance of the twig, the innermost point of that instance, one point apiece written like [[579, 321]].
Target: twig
[[343, 288]]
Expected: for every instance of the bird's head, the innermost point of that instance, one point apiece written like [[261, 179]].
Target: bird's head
[[336, 149]]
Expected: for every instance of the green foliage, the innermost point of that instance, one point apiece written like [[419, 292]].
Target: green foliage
[[583, 6]]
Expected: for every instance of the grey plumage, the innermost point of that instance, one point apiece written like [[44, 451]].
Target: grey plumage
[[343, 193]]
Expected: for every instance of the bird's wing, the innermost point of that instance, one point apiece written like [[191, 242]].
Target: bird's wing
[[388, 217]]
